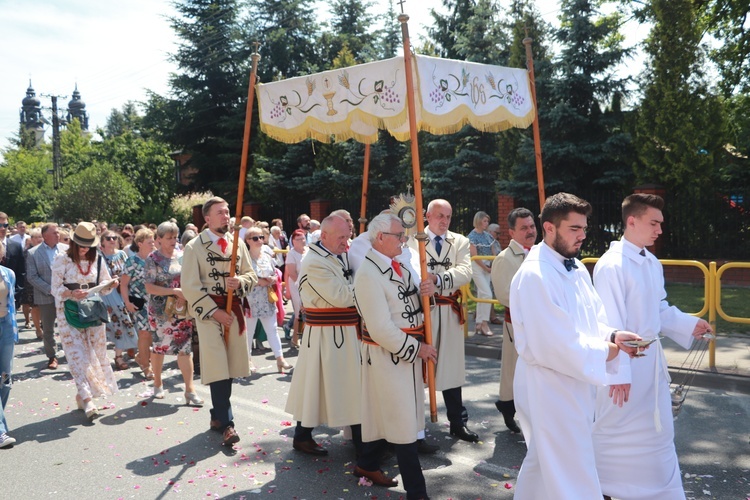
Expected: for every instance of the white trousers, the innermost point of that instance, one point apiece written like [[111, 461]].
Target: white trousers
[[269, 325], [482, 282]]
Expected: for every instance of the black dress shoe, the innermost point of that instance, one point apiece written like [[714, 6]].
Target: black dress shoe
[[425, 448], [508, 410], [464, 433], [310, 447]]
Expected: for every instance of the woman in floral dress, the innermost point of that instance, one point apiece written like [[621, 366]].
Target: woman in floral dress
[[120, 329], [259, 308], [132, 285], [85, 349], [172, 333]]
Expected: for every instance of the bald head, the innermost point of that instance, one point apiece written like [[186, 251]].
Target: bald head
[[334, 234], [439, 213]]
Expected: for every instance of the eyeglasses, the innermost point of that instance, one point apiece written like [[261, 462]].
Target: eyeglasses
[[110, 238], [401, 236], [256, 238], [65, 240], [5, 224]]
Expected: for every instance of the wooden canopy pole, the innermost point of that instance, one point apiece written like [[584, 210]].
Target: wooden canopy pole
[[243, 178], [421, 235], [365, 182], [535, 125]]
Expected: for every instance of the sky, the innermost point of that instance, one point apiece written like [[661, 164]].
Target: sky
[[113, 50]]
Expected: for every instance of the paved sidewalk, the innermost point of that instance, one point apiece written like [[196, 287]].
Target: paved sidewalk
[[732, 371]]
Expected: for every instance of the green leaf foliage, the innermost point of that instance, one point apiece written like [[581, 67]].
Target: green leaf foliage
[[98, 192]]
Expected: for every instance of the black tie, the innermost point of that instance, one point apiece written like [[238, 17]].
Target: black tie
[[642, 253], [570, 264], [438, 245]]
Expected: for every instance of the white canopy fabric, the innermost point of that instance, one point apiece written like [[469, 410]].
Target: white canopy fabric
[[355, 102]]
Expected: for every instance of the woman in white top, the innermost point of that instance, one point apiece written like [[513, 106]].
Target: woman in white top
[[291, 273]]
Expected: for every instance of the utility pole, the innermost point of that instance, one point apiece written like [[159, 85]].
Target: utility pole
[[57, 167]]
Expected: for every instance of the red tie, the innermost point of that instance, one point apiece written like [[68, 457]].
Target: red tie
[[397, 267], [222, 244]]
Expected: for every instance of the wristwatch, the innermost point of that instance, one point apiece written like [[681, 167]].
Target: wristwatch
[[612, 337]]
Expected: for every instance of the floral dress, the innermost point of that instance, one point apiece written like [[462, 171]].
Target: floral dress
[[260, 307], [135, 269], [120, 329], [85, 350], [172, 335]]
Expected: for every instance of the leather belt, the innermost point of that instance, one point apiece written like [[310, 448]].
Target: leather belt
[[78, 286], [452, 301]]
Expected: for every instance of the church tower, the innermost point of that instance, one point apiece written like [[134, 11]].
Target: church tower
[[77, 109], [31, 114]]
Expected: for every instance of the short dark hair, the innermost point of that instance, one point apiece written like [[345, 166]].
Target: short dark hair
[[518, 213], [637, 204], [47, 226], [211, 202], [558, 206]]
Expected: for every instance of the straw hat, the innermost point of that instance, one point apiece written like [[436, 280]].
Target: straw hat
[[85, 235]]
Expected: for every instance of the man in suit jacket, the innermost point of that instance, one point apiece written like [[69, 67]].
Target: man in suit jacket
[[39, 276], [205, 282], [523, 236], [449, 266], [13, 258]]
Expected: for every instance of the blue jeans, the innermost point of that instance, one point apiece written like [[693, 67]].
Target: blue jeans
[[7, 343]]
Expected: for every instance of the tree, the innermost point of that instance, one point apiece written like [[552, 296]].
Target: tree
[[351, 27], [25, 185], [98, 192], [204, 112], [120, 122], [583, 138], [679, 129], [728, 21]]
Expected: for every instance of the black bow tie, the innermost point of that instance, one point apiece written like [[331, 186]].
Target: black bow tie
[[570, 264], [642, 253]]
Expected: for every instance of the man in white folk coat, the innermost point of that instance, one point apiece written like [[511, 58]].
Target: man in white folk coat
[[393, 353], [326, 379], [449, 266], [205, 284], [523, 236], [564, 346], [634, 443]]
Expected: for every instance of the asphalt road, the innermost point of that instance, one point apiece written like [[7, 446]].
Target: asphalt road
[[142, 448]]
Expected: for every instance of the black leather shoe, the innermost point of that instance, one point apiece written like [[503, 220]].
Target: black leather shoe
[[229, 437], [310, 447], [508, 409], [464, 433], [425, 448]]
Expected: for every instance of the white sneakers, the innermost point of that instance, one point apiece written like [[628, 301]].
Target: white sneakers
[[6, 440]]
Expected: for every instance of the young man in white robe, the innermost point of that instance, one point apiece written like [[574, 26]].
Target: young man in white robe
[[638, 438], [564, 345]]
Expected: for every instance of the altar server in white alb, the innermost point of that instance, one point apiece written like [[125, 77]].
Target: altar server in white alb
[[564, 345], [634, 443]]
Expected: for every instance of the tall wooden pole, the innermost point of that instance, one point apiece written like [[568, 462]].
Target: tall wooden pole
[[365, 183], [421, 236], [535, 125], [243, 178]]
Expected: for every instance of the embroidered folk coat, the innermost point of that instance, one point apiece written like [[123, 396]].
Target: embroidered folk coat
[[453, 266], [326, 380], [204, 271], [392, 394]]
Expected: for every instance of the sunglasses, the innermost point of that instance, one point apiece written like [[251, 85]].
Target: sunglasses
[[4, 224], [110, 238], [65, 240], [256, 238]]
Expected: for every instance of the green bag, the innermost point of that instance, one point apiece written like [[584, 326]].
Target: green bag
[[87, 313]]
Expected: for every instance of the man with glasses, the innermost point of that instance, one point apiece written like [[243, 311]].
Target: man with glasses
[[13, 259], [449, 267], [564, 345], [327, 375], [39, 276]]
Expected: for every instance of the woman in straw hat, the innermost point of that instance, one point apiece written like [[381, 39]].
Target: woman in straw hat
[[85, 348]]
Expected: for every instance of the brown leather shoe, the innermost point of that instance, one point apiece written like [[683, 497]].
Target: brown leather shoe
[[215, 425], [52, 365], [230, 437], [310, 447], [376, 476]]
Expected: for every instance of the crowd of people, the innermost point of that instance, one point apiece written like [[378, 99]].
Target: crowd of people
[[588, 399]]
